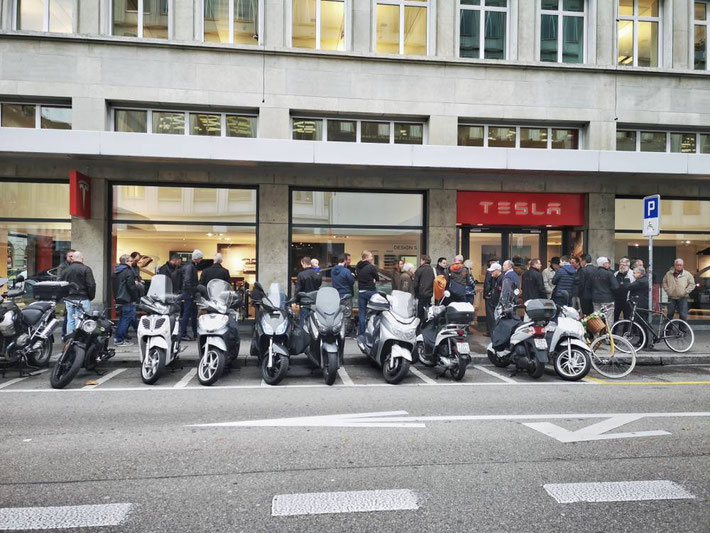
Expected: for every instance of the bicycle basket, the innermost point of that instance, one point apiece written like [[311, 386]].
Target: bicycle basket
[[595, 325]]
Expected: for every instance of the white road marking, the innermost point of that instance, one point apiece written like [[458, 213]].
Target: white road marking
[[359, 501], [264, 384], [506, 379], [186, 379], [24, 518], [617, 491], [345, 377], [105, 378], [596, 431], [421, 375], [12, 382]]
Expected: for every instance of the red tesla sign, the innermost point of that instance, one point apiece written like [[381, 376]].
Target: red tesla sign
[[520, 209], [79, 195]]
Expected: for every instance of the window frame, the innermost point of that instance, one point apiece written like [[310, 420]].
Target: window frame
[[347, 9], [38, 113], [635, 18], [259, 25], [149, 120], [482, 22], [518, 127], [139, 16], [561, 13], [15, 11], [358, 128], [668, 133], [693, 23], [427, 4]]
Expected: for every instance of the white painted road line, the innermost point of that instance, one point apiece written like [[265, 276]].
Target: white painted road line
[[617, 491], [105, 378], [12, 382], [345, 377], [24, 518], [186, 379], [494, 374], [421, 375], [360, 501]]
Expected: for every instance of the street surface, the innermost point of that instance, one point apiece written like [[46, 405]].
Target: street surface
[[494, 453]]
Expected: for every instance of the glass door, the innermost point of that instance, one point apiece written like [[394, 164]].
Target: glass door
[[483, 247], [525, 246]]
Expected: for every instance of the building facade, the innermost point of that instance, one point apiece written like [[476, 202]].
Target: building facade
[[271, 129]]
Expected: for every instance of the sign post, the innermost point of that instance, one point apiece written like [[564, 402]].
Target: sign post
[[651, 227]]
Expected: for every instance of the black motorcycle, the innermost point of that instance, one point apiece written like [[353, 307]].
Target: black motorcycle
[[86, 346]]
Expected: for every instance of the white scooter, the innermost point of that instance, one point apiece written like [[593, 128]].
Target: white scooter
[[390, 336], [570, 354], [159, 329]]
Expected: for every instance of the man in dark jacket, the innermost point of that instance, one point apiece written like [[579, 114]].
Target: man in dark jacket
[[458, 279], [215, 271], [308, 280], [491, 294], [172, 270], [188, 276], [397, 274], [584, 283], [123, 283], [424, 285], [406, 279], [564, 281], [625, 277], [85, 290], [604, 287], [510, 282], [533, 284], [366, 275], [68, 256], [343, 281]]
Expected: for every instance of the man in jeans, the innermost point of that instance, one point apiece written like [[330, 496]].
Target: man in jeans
[[125, 293], [366, 275], [189, 286], [343, 281], [85, 290], [678, 284]]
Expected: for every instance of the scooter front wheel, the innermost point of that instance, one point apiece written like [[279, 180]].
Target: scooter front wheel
[[153, 365], [275, 374], [211, 366], [330, 368], [572, 365], [395, 370]]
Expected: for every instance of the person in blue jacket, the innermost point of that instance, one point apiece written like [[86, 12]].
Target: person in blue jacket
[[343, 281], [564, 280]]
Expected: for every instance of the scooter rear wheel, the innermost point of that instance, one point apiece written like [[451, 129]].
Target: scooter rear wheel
[[500, 362], [458, 371], [537, 369], [275, 374], [41, 357]]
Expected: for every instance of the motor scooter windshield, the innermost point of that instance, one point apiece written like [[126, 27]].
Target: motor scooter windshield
[[328, 301], [220, 294], [160, 287], [402, 304], [275, 299]]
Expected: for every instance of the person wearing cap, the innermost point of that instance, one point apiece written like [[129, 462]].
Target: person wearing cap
[[189, 286], [548, 274], [604, 288], [491, 294]]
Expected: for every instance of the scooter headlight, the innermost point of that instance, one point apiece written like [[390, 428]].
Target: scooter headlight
[[268, 330], [281, 329], [89, 326]]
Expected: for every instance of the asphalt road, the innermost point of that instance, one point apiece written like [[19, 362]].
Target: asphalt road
[[125, 443]]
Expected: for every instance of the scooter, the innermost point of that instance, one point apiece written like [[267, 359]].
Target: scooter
[[159, 329], [326, 328], [571, 355], [217, 332], [442, 340], [390, 336]]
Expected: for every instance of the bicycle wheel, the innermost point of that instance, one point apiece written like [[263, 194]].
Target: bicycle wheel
[[678, 335], [613, 360], [631, 331]]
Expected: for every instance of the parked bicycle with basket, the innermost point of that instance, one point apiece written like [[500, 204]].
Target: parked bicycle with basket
[[612, 356]]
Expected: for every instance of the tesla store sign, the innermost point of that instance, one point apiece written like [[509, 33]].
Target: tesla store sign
[[519, 209], [79, 195]]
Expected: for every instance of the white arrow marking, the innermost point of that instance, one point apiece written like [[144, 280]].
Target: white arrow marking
[[596, 431]]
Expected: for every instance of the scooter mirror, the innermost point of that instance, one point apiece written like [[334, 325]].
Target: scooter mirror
[[516, 292], [447, 293]]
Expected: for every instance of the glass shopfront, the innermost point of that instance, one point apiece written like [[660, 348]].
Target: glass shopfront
[[685, 234]]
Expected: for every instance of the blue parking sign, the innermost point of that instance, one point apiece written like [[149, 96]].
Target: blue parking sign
[[650, 206], [651, 215]]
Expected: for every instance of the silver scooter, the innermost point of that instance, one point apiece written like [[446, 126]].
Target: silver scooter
[[391, 332]]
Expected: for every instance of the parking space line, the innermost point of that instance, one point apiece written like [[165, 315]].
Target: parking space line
[[12, 382], [345, 377], [105, 378], [73, 516], [186, 379], [357, 501], [421, 375], [494, 374], [617, 491]]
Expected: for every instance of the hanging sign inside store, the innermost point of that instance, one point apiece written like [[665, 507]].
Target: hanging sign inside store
[[520, 209], [79, 195]]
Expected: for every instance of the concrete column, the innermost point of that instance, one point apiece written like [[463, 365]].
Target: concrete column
[[441, 224], [6, 15], [600, 136], [606, 32], [444, 23], [443, 129], [89, 114], [184, 21], [601, 223], [275, 20], [361, 25], [89, 237], [527, 45], [681, 35], [273, 242], [274, 123]]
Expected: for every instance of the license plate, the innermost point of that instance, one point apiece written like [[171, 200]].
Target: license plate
[[463, 347], [541, 344]]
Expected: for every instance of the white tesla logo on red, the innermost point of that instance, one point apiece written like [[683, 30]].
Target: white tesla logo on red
[[521, 208], [84, 187]]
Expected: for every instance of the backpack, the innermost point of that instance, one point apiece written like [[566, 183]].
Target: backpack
[[439, 286]]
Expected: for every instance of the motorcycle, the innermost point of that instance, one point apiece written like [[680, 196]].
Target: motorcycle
[[326, 328], [86, 346], [571, 355], [390, 335], [159, 329], [27, 334], [442, 340], [217, 332]]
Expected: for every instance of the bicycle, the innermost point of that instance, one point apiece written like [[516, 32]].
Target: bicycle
[[612, 356], [677, 333]]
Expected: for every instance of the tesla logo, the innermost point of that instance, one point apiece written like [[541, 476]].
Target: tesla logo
[[79, 195], [521, 208], [84, 188]]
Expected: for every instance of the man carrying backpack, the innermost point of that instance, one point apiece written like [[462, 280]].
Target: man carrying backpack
[[459, 277]]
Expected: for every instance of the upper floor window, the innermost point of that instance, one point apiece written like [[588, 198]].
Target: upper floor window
[[562, 31], [318, 24], [231, 21], [45, 15], [141, 18], [662, 141], [204, 123], [401, 27], [483, 28], [700, 34], [355, 130], [492, 136], [638, 28], [40, 116]]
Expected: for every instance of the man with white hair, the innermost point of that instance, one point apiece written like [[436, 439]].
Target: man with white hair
[[215, 271], [604, 288], [678, 284], [189, 286], [458, 279], [406, 279], [84, 289], [511, 281]]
